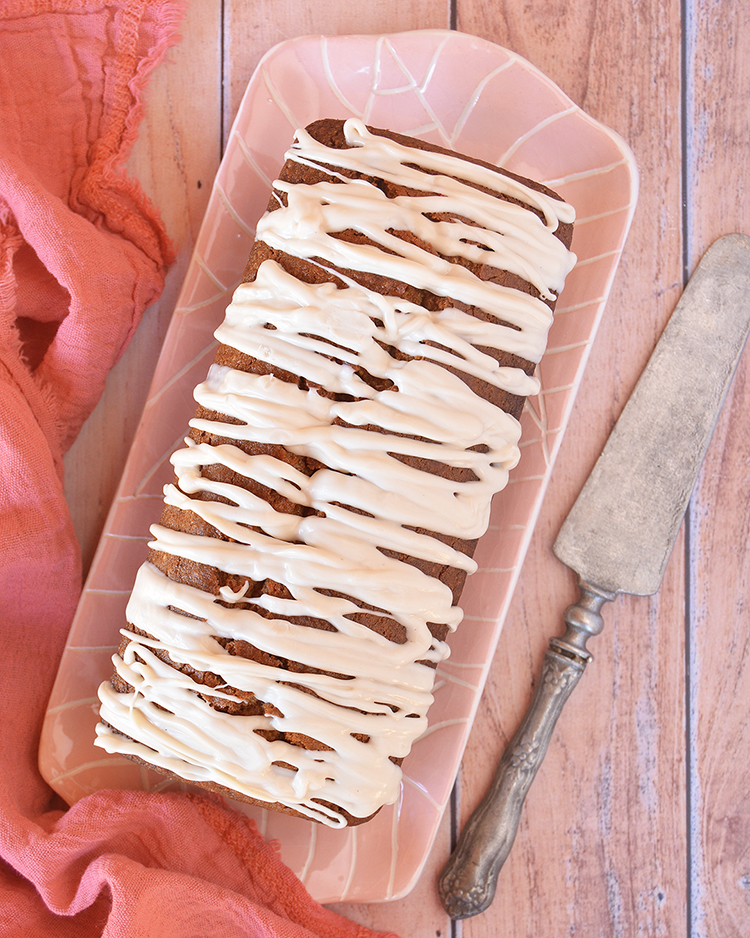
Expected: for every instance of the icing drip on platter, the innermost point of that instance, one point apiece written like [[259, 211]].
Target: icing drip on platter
[[383, 382]]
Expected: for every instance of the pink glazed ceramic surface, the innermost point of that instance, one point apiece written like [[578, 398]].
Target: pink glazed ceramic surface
[[454, 90]]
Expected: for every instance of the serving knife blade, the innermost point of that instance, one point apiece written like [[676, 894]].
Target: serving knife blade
[[619, 535]]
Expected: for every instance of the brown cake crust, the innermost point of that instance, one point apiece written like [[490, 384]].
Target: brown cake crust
[[211, 579]]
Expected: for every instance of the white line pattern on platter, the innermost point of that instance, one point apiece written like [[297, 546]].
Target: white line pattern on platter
[[444, 724], [177, 377], [602, 215], [204, 304], [419, 93], [90, 649], [551, 119], [475, 96], [333, 85], [310, 853], [233, 213], [374, 77], [539, 417], [536, 477], [250, 160], [159, 463], [411, 84], [565, 349], [597, 257], [72, 704], [559, 389], [459, 682], [394, 850], [94, 764], [424, 84], [115, 536], [529, 441], [170, 783], [102, 592], [421, 131], [418, 786], [225, 288], [354, 840], [587, 174], [278, 100], [371, 98], [575, 307]]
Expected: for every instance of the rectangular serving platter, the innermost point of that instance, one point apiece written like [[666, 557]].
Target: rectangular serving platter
[[480, 99]]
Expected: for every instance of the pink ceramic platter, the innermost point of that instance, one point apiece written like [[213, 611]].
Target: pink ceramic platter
[[458, 91]]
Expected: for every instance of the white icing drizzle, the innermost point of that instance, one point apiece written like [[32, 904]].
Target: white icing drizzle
[[328, 336]]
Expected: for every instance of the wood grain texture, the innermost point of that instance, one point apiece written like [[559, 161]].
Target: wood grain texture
[[639, 821], [251, 31], [601, 850], [718, 202]]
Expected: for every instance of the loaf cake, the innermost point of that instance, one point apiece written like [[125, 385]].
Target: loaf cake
[[362, 409]]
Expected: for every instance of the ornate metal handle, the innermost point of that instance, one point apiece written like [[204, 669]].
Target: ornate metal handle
[[468, 882]]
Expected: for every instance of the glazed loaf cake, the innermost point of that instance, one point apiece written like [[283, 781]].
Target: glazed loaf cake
[[361, 412]]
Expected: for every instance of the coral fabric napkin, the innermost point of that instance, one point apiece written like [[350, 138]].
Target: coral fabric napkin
[[82, 254]]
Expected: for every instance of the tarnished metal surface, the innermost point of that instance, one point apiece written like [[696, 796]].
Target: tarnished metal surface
[[620, 532], [619, 535], [468, 881]]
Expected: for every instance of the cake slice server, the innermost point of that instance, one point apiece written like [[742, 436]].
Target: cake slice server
[[619, 535]]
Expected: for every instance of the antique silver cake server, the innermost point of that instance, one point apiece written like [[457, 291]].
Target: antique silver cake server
[[618, 535]]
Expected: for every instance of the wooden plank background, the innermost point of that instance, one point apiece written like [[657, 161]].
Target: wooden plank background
[[639, 821]]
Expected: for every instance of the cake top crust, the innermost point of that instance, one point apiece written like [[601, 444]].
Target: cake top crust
[[392, 397]]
